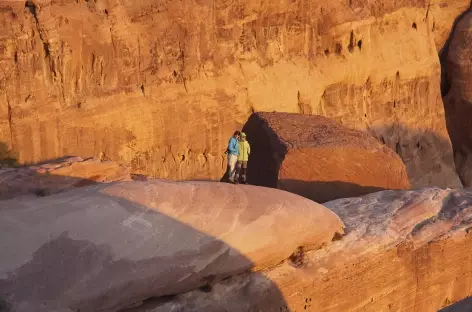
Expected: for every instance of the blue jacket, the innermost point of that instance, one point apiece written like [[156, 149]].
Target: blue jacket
[[233, 146]]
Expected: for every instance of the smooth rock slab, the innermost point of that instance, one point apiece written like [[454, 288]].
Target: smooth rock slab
[[104, 248]]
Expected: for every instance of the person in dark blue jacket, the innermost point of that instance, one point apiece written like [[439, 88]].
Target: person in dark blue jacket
[[233, 152]]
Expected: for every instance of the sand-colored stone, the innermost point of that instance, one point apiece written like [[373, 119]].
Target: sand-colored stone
[[318, 158], [161, 86], [458, 101], [444, 13], [403, 251], [108, 247], [58, 176]]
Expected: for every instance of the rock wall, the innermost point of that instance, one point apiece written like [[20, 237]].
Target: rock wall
[[161, 85]]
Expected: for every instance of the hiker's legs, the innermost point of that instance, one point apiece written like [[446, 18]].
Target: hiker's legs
[[232, 159], [243, 170], [238, 171]]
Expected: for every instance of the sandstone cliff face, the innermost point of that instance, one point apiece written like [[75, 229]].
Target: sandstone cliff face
[[317, 158], [403, 251], [161, 85]]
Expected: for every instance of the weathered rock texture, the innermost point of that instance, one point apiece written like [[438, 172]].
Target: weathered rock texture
[[107, 247], [318, 158], [58, 176], [458, 101], [162, 85], [404, 251], [444, 13]]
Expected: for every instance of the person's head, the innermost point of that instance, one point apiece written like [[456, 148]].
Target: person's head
[[243, 136], [237, 134]]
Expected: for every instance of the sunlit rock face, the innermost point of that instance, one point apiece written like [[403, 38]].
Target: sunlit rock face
[[162, 85]]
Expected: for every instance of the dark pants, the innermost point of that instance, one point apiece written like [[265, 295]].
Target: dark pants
[[241, 170]]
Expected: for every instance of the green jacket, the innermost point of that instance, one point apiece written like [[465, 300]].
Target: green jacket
[[244, 151]]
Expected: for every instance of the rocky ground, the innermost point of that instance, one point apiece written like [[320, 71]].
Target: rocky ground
[[205, 246]]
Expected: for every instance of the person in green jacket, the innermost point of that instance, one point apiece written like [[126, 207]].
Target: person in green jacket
[[243, 157]]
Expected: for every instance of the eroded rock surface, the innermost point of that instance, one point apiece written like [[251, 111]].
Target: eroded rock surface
[[318, 158], [458, 101], [108, 247], [162, 85], [403, 251], [58, 176]]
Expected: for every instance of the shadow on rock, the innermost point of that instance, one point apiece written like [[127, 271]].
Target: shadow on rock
[[7, 157], [428, 157], [326, 191], [461, 306], [85, 250]]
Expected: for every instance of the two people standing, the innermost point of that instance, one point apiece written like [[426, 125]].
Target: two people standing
[[238, 156]]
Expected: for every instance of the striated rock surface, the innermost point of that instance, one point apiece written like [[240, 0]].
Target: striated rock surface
[[403, 251], [108, 247], [58, 176], [458, 101], [162, 85], [318, 158]]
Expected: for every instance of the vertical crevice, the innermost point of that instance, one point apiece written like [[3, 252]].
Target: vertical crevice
[[33, 9], [351, 42], [10, 124]]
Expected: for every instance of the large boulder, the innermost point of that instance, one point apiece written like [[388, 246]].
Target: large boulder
[[108, 247], [318, 158], [58, 176], [403, 251], [162, 85]]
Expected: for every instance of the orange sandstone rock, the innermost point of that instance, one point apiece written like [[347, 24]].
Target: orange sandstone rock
[[318, 158], [161, 86], [403, 251]]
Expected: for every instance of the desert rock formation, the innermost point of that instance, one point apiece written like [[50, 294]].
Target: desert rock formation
[[403, 251], [458, 101], [318, 158], [162, 85], [108, 247], [58, 176]]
